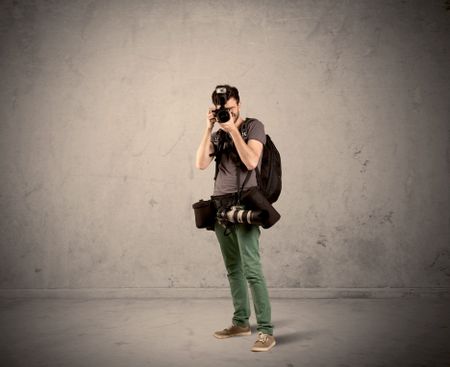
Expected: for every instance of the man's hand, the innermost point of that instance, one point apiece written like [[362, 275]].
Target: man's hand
[[228, 126], [210, 118]]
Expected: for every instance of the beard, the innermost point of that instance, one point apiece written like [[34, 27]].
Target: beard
[[234, 116]]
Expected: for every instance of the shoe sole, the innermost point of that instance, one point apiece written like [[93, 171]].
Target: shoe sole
[[254, 349], [244, 333]]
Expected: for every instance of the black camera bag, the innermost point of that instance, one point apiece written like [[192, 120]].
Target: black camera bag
[[205, 214]]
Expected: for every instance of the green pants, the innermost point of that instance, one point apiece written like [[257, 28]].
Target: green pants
[[240, 251]]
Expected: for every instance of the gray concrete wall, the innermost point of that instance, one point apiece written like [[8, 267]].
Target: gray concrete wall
[[103, 105]]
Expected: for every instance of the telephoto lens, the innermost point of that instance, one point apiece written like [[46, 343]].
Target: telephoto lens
[[236, 214]]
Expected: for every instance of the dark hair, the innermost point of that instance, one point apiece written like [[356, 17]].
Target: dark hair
[[232, 92]]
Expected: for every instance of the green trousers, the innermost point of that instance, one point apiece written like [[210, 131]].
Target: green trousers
[[240, 251]]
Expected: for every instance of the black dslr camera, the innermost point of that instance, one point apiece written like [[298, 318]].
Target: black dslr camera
[[222, 114]]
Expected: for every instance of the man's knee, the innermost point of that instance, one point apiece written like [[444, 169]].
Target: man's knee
[[233, 269], [253, 274]]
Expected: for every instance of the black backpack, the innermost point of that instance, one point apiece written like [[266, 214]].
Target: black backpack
[[269, 178]]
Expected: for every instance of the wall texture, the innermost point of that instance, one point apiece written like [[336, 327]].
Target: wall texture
[[103, 105]]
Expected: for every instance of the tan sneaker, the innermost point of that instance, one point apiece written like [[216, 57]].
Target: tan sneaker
[[264, 343], [233, 330]]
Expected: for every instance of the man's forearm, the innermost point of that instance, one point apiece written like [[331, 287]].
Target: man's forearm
[[248, 155], [204, 150]]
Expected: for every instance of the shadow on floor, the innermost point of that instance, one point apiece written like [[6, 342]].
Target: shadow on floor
[[296, 336], [283, 337]]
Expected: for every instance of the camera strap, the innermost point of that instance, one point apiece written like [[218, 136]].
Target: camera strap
[[238, 182]]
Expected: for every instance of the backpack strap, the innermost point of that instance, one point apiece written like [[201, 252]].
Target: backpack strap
[[258, 176], [244, 133], [217, 167], [244, 129], [238, 183], [219, 140]]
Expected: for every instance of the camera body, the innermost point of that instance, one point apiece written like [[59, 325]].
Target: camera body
[[222, 114]]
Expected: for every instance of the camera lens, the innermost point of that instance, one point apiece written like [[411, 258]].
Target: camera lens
[[223, 115]]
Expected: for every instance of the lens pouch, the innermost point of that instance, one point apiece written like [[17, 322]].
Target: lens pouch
[[205, 214], [255, 200]]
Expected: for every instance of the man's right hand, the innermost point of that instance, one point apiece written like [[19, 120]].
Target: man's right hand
[[210, 118]]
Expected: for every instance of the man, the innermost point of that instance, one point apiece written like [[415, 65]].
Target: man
[[239, 243]]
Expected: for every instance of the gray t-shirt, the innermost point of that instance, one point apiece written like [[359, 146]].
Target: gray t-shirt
[[226, 178]]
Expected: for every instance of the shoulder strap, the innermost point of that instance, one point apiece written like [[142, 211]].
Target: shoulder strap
[[218, 150], [244, 133], [244, 128], [238, 183], [258, 176]]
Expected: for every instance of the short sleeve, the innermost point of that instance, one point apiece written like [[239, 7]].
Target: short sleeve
[[256, 131]]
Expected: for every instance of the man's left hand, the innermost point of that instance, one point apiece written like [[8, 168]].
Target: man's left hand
[[228, 126]]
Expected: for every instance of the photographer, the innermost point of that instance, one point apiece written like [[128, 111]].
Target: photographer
[[239, 242]]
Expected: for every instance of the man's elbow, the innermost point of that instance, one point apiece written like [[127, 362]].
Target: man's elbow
[[253, 159], [200, 166], [251, 165]]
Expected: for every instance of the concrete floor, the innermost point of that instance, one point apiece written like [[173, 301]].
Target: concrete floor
[[178, 332]]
